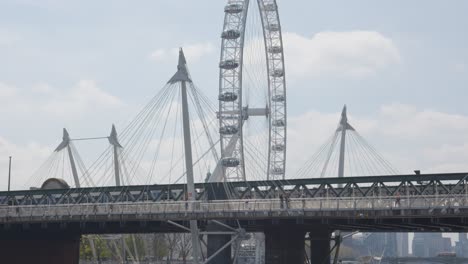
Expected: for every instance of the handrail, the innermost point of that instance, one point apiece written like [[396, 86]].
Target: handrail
[[230, 206]]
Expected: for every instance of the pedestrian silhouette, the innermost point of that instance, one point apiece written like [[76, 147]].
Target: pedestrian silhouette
[[397, 199]]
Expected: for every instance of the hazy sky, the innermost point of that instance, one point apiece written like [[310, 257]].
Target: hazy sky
[[400, 66]]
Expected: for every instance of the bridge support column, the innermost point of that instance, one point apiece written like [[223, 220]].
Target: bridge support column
[[216, 242], [320, 246], [44, 248], [284, 245]]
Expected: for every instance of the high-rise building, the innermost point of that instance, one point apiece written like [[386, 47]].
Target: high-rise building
[[430, 244], [381, 244], [419, 246], [461, 247], [402, 244]]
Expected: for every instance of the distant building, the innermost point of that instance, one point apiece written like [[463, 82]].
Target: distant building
[[430, 244], [419, 246], [402, 245], [461, 247], [380, 244]]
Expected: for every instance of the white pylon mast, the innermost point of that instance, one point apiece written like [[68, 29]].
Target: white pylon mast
[[113, 140], [343, 123], [343, 127], [182, 76], [66, 144]]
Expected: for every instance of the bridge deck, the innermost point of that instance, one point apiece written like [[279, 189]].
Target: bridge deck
[[427, 202]]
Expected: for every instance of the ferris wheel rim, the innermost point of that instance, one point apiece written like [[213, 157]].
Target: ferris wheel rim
[[275, 66]]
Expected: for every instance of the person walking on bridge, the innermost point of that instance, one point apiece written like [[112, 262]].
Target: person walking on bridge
[[287, 201], [281, 201], [397, 199]]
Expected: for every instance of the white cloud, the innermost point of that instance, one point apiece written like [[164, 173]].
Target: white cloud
[[352, 53], [8, 37], [7, 91], [38, 114], [193, 52], [408, 137], [25, 160], [83, 98], [422, 125], [460, 67], [158, 54]]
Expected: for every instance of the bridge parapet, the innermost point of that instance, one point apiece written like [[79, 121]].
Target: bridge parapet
[[360, 207]]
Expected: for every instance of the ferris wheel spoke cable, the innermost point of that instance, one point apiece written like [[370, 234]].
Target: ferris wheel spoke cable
[[260, 162], [256, 165], [254, 60]]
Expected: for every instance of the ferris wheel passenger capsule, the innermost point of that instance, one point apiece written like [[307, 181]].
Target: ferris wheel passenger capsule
[[278, 98], [278, 73], [277, 171], [230, 34], [275, 49], [270, 7], [228, 130], [230, 162], [227, 97], [278, 147], [233, 8], [279, 123], [273, 27], [228, 64]]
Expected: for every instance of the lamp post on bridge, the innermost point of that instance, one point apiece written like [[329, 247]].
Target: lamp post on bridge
[[9, 173]]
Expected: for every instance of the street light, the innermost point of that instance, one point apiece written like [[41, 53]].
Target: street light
[[9, 174]]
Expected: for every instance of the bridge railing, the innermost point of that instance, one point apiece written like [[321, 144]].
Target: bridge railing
[[176, 209]]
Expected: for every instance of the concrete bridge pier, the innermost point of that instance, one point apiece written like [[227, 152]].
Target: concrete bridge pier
[[284, 245], [40, 248], [320, 239]]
